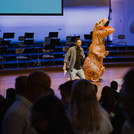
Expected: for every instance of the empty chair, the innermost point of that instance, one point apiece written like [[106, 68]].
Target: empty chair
[[68, 40], [20, 56], [21, 41], [54, 43], [1, 39], [1, 58], [121, 38], [48, 46], [1, 61], [48, 54], [47, 40]]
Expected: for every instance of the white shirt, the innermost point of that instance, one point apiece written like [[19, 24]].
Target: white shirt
[[17, 118]]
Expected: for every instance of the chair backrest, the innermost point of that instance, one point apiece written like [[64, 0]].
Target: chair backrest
[[21, 38], [48, 46], [45, 51], [65, 49], [19, 50], [54, 42], [68, 40], [44, 44], [47, 40], [21, 44], [121, 36], [1, 39]]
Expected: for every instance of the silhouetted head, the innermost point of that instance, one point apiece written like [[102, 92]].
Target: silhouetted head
[[38, 83], [114, 85], [20, 84], [10, 94], [127, 95], [65, 91], [48, 116]]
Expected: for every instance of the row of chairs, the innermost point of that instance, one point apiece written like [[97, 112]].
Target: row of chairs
[[47, 54]]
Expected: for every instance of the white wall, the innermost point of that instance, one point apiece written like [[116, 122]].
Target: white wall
[[129, 21], [123, 20], [76, 20]]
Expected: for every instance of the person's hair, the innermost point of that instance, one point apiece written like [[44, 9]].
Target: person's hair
[[66, 87], [84, 109], [108, 99], [20, 83], [10, 94], [51, 91], [128, 82], [114, 85], [52, 109], [38, 78], [1, 98], [76, 39], [96, 88], [127, 95], [38, 83]]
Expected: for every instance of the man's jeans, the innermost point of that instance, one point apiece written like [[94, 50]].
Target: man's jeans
[[79, 73]]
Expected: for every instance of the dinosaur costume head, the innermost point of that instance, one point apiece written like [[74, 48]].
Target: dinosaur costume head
[[102, 23]]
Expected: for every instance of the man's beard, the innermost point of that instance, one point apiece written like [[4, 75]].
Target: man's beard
[[78, 47]]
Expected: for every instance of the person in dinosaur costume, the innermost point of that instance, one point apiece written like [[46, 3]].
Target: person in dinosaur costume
[[93, 65]]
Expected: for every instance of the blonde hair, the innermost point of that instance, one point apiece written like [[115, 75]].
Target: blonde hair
[[84, 109]]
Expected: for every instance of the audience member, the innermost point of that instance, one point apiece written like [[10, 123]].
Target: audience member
[[6, 103], [16, 120], [85, 113], [11, 94], [119, 118], [127, 100], [20, 83], [96, 88], [114, 86], [48, 116], [51, 91], [65, 91], [1, 98], [108, 101]]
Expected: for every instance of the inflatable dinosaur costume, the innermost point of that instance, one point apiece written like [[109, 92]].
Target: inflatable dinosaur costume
[[93, 65]]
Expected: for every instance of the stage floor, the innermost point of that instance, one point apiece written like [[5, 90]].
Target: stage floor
[[57, 77]]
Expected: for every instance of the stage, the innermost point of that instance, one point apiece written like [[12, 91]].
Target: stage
[[7, 79]]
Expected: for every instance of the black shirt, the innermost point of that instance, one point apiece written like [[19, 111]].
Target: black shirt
[[77, 64]]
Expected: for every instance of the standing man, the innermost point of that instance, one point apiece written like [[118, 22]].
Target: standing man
[[73, 60]]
